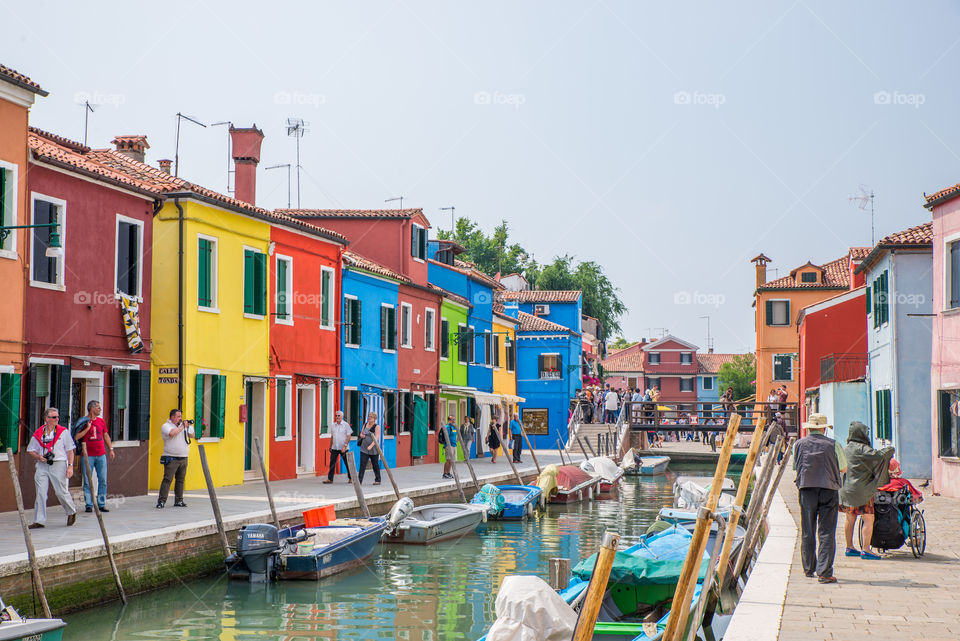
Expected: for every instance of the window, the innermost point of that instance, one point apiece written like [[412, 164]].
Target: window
[[390, 414], [808, 277], [129, 256], [782, 367], [948, 423], [351, 320], [511, 356], [551, 366], [48, 385], [326, 406], [463, 349], [10, 411], [686, 384], [881, 307], [353, 409], [282, 417], [418, 242], [8, 209], [707, 382], [653, 381], [406, 322], [388, 327], [428, 330], [953, 274], [254, 282], [207, 273], [47, 270], [778, 312], [444, 338], [686, 358], [496, 351], [327, 298], [881, 410], [471, 345], [488, 348], [284, 275], [210, 403], [654, 358]]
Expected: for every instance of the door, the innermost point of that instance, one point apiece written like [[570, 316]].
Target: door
[[306, 428], [248, 428]]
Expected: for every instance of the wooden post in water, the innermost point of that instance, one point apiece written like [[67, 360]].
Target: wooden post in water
[[266, 481], [103, 529], [597, 587], [589, 447], [452, 458], [580, 443], [27, 539], [509, 455], [213, 500], [396, 490], [530, 447], [756, 500], [352, 471], [560, 452], [466, 459], [680, 608], [559, 573]]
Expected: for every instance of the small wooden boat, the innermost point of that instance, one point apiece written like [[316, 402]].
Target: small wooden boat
[[562, 484], [518, 501], [635, 465], [17, 628], [609, 473], [688, 521], [438, 522]]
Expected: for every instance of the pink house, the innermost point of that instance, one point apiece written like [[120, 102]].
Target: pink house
[[945, 370]]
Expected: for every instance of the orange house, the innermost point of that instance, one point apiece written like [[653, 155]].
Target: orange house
[[777, 304]]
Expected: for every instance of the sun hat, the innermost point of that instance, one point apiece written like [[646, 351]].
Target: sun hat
[[817, 422]]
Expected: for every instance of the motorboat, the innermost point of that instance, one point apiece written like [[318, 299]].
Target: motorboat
[[567, 484], [438, 522], [13, 627], [509, 502], [609, 472]]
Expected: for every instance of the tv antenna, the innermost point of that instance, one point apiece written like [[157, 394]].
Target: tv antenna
[[453, 224], [87, 110], [663, 331], [296, 127], [862, 199], [287, 165], [390, 200], [176, 149], [229, 150], [709, 339]]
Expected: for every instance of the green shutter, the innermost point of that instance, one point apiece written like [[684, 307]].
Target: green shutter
[[384, 328], [3, 198], [325, 298], [260, 283], [414, 240], [392, 327], [769, 312], [218, 396], [198, 405], [357, 321], [60, 394], [203, 273], [249, 282], [347, 320], [9, 408], [868, 300], [140, 421], [281, 408], [119, 387], [886, 297], [444, 338], [324, 407], [282, 293]]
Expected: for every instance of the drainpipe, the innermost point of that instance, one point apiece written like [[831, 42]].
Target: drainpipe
[[895, 374], [180, 223]]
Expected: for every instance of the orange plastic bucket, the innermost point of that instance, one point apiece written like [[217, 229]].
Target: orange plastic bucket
[[319, 516]]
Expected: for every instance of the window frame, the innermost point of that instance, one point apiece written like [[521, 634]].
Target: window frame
[[406, 325], [463, 354], [815, 277], [692, 382], [541, 363], [214, 307], [947, 279], [945, 397], [495, 350], [773, 369], [429, 329], [444, 339], [61, 284], [282, 258], [772, 302], [331, 299], [472, 349], [288, 387], [386, 348], [651, 356], [215, 409], [116, 256], [12, 196], [325, 388], [688, 356], [418, 242], [266, 287], [510, 349], [703, 383], [348, 299]]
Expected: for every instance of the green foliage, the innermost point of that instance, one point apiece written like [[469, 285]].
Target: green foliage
[[620, 343], [491, 254], [740, 374]]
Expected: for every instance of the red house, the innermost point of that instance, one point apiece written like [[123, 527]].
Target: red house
[[87, 312]]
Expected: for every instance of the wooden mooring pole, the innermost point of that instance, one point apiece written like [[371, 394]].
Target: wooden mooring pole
[[386, 467], [266, 482], [530, 447], [27, 539], [559, 573], [224, 545], [597, 587], [103, 528], [452, 458], [352, 471], [756, 501]]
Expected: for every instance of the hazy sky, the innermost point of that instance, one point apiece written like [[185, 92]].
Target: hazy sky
[[669, 141]]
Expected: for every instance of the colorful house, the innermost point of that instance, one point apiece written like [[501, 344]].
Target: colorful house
[[623, 368], [708, 370], [944, 205], [899, 310], [454, 393], [777, 303]]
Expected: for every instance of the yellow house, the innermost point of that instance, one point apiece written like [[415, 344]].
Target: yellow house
[[505, 362]]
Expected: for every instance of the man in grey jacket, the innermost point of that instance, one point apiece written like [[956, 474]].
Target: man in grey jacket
[[819, 462]]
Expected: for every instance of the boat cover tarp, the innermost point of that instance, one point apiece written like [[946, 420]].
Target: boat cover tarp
[[631, 460], [569, 477], [491, 497], [528, 609], [603, 467], [658, 562], [692, 495], [547, 481]]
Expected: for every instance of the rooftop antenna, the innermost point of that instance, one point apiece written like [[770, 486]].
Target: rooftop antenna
[[229, 151], [176, 149], [453, 224], [390, 200], [862, 199], [709, 340], [87, 110], [287, 165], [663, 331], [296, 127]]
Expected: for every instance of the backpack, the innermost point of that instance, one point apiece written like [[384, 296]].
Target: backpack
[[79, 425], [887, 531]]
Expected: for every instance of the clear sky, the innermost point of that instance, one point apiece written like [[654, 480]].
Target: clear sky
[[669, 141]]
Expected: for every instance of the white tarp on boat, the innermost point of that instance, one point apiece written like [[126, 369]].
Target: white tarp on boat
[[603, 467], [690, 495], [528, 609]]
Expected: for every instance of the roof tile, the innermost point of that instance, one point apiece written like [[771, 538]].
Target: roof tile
[[836, 273], [353, 259], [352, 213], [17, 78], [540, 296], [531, 323]]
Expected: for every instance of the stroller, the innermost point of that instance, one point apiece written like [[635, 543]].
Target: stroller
[[897, 520]]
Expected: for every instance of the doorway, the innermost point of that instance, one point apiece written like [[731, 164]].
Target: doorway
[[255, 398], [306, 428]]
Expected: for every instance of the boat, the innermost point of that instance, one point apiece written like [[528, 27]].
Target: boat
[[690, 492], [266, 553], [13, 627], [567, 484], [438, 522], [609, 473], [505, 502], [635, 465], [688, 521]]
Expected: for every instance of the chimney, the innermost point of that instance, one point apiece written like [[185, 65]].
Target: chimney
[[134, 147], [165, 165], [245, 143], [761, 264], [709, 350]]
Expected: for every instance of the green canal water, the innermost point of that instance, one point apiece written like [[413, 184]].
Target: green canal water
[[441, 592]]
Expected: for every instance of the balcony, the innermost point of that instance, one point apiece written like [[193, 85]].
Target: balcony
[[841, 368]]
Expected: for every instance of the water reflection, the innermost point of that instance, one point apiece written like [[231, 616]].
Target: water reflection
[[441, 592]]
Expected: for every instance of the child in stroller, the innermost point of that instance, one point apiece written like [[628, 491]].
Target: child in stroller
[[897, 520]]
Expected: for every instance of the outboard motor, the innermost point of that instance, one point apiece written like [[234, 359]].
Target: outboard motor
[[257, 547], [400, 510]]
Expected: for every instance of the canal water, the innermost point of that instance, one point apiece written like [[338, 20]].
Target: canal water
[[434, 593]]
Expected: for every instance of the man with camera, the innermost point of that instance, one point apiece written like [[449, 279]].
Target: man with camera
[[92, 430], [176, 450], [53, 450]]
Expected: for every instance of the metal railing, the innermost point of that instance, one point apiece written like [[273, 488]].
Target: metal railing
[[838, 368]]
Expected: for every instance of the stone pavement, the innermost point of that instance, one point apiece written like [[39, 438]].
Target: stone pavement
[[138, 514], [898, 598]]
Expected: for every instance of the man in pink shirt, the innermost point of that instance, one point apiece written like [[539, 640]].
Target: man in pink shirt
[[92, 430]]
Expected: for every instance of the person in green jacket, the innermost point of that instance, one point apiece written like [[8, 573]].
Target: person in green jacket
[[866, 469]]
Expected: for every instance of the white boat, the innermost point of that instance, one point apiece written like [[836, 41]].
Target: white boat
[[609, 473], [690, 492], [635, 465], [437, 522]]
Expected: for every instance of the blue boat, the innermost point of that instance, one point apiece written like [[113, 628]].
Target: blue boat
[[635, 465], [519, 501], [28, 629]]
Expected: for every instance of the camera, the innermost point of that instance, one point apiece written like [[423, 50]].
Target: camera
[[48, 457]]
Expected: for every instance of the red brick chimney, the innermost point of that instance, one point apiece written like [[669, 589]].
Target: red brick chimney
[[133, 146], [246, 157], [165, 165]]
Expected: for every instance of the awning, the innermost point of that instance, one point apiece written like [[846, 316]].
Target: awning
[[457, 389], [510, 398], [486, 397]]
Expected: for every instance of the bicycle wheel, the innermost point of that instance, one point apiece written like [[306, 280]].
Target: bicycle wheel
[[918, 533]]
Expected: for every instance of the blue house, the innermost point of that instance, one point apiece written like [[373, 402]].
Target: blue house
[[368, 353], [708, 368], [899, 327]]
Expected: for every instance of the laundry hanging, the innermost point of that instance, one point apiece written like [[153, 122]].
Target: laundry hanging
[[130, 311]]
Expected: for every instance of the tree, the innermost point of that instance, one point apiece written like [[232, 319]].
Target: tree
[[491, 254], [620, 343], [740, 373]]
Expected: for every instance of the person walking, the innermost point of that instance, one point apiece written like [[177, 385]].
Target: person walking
[[864, 474], [448, 436], [176, 452], [494, 441], [340, 435], [53, 450], [369, 432], [819, 461], [93, 432], [611, 403], [516, 431], [468, 433]]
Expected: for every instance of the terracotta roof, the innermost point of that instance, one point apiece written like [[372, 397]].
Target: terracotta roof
[[17, 78], [945, 194], [470, 270], [836, 274], [352, 213], [501, 311], [632, 362], [352, 259], [448, 294], [919, 236], [710, 363], [171, 185], [541, 296], [531, 323]]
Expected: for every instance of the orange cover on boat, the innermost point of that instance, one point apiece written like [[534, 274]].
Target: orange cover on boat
[[569, 477]]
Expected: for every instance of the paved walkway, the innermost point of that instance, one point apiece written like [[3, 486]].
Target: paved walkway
[[898, 598], [138, 514]]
